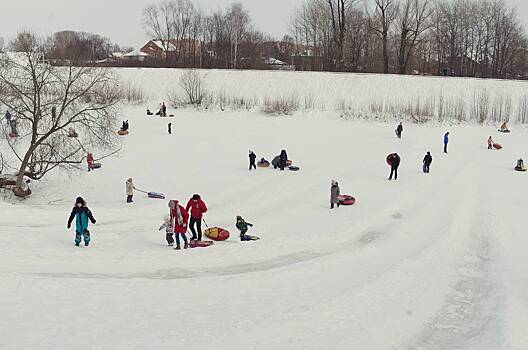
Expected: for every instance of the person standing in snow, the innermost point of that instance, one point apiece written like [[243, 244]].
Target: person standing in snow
[[283, 159], [169, 127], [90, 160], [179, 218], [252, 159], [242, 226], [163, 110], [399, 130], [446, 141], [394, 161], [428, 159], [129, 190], [8, 117], [81, 214], [167, 225], [334, 194], [490, 143], [197, 209]]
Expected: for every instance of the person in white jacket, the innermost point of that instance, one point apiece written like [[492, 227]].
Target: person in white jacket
[[130, 190]]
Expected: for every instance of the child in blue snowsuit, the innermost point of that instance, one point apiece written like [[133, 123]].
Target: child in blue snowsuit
[[81, 214]]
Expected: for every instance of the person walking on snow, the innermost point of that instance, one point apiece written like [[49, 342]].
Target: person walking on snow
[[197, 209], [428, 159], [170, 128], [163, 110], [179, 218], [8, 117], [242, 226], [446, 141], [252, 159], [399, 130], [334, 194], [490, 143], [130, 190], [167, 225], [81, 214], [394, 161]]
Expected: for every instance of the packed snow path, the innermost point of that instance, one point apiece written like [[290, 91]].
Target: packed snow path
[[427, 262]]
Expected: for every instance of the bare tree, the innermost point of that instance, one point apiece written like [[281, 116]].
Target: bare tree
[[412, 23], [238, 22], [158, 21], [47, 101], [385, 12], [338, 13]]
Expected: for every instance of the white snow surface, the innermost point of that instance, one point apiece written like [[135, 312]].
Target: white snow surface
[[433, 261]]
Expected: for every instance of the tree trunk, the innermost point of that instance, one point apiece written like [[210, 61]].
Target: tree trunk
[[385, 55]]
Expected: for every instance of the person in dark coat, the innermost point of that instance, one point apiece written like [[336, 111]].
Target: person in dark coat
[[394, 161], [283, 160], [446, 141], [170, 128], [275, 162], [81, 214], [242, 226], [399, 130], [252, 159], [334, 194], [163, 110], [428, 159]]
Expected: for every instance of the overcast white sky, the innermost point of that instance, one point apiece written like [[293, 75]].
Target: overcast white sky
[[121, 19]]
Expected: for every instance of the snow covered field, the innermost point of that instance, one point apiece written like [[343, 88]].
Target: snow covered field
[[432, 261]]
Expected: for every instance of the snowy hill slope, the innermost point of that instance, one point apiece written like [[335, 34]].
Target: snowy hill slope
[[351, 95], [427, 262]]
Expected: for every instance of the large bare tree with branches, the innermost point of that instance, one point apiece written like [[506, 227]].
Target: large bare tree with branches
[[47, 103], [381, 21]]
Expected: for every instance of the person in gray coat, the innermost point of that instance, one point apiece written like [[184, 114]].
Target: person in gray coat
[[334, 194], [130, 190]]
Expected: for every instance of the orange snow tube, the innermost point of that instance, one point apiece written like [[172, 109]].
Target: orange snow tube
[[497, 146], [216, 234]]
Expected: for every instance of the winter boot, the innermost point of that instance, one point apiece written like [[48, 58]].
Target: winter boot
[[186, 245], [86, 244], [177, 248], [171, 244], [77, 243]]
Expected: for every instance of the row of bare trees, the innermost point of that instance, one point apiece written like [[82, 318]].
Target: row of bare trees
[[450, 37], [225, 38]]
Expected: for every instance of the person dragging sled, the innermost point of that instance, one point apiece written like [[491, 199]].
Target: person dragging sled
[[446, 141], [428, 159], [490, 143], [179, 218], [394, 161], [197, 209], [334, 194], [399, 130], [81, 214], [167, 225], [242, 226], [252, 159], [130, 190]]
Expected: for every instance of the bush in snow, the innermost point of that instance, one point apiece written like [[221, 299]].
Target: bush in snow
[[132, 93], [192, 83], [281, 105]]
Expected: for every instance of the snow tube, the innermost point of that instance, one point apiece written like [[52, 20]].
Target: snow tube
[[200, 244], [294, 168], [497, 146], [289, 163], [520, 169], [216, 234], [95, 166], [388, 159], [346, 199], [504, 131], [13, 135], [156, 195], [123, 132], [263, 165]]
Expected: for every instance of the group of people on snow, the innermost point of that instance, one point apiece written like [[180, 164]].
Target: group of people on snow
[[279, 162]]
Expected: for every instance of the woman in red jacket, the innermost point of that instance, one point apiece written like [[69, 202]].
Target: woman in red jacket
[[198, 208], [179, 218]]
